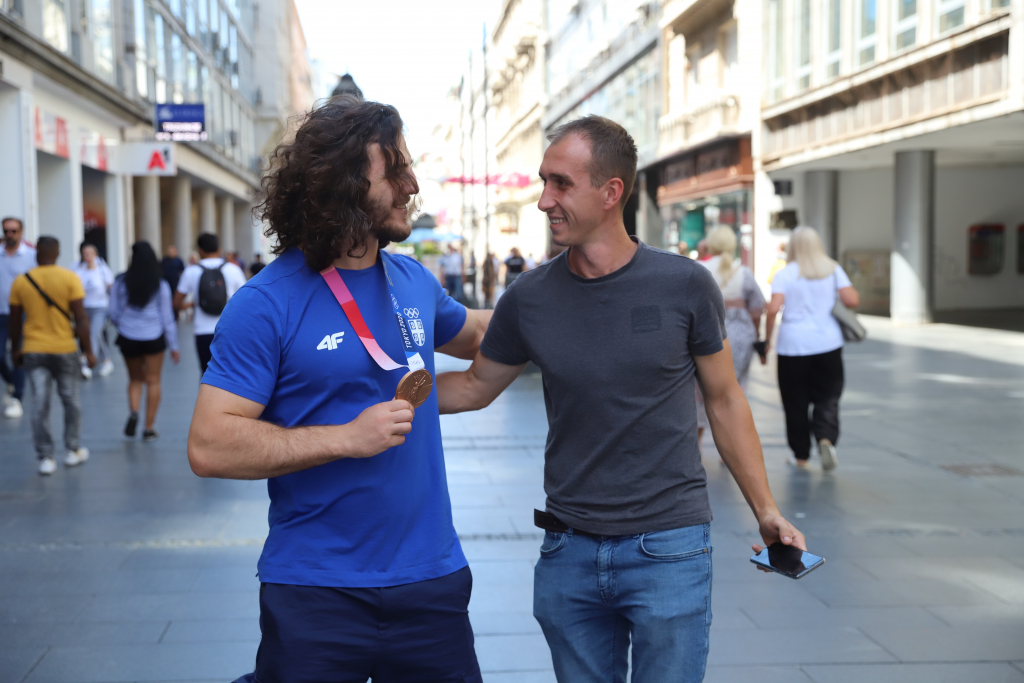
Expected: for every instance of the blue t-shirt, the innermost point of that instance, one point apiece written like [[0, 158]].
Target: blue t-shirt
[[369, 522]]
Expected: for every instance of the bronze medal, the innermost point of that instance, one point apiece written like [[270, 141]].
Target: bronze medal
[[415, 387]]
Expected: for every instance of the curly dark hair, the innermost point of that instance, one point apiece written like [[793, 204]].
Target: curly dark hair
[[314, 193]]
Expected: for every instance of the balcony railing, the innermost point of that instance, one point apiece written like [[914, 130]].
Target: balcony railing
[[698, 124]]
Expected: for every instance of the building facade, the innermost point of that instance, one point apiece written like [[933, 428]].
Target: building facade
[[604, 58], [516, 65], [894, 128], [711, 115], [80, 86]]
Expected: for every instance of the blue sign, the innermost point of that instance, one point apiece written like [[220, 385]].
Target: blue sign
[[181, 122]]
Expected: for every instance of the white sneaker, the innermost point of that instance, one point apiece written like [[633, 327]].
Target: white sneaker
[[47, 467], [828, 455], [13, 408], [86, 372], [106, 367], [76, 458]]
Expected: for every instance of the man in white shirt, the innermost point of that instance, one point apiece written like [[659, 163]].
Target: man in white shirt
[[16, 257], [209, 295], [453, 270]]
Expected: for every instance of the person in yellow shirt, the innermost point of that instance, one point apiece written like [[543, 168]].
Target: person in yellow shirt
[[49, 298]]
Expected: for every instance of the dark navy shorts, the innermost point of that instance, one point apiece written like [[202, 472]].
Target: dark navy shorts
[[400, 634]]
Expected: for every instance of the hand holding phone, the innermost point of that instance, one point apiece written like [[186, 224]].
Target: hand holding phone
[[787, 560]]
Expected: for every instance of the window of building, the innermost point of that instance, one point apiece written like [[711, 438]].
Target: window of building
[[192, 85], [190, 17], [951, 14], [730, 59], [906, 24], [101, 27], [866, 25], [142, 49], [803, 55], [160, 56], [776, 47], [233, 56], [1000, 4], [175, 7], [55, 23], [834, 40], [178, 68]]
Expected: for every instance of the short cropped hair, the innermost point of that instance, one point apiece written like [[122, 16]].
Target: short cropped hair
[[612, 151], [21, 226], [208, 243]]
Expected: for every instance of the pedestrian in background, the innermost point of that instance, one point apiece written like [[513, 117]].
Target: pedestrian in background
[[488, 279], [257, 265], [810, 345], [16, 257], [515, 264], [453, 270], [744, 306], [50, 298], [172, 266], [97, 279], [140, 306], [210, 282]]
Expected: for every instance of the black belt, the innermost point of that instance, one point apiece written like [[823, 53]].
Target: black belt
[[548, 522]]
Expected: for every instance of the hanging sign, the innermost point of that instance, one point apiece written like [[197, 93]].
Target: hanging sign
[[181, 122], [148, 158]]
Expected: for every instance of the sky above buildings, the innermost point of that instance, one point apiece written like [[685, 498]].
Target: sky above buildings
[[408, 53]]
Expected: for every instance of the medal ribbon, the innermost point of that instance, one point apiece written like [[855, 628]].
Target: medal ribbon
[[348, 304]]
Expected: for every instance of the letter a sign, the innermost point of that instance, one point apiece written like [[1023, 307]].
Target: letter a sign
[[156, 161], [149, 158]]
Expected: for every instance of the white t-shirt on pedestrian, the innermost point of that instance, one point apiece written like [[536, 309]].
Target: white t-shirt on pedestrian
[[234, 278], [96, 282], [808, 327], [451, 263]]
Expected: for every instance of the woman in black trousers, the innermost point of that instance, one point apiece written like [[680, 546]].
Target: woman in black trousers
[[810, 345]]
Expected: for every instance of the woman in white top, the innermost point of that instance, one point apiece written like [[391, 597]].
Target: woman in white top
[[810, 344], [744, 306], [96, 279]]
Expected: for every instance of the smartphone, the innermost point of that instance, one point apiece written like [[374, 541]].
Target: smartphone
[[787, 560]]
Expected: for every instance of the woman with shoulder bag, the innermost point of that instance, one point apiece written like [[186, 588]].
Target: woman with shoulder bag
[[140, 306], [810, 345]]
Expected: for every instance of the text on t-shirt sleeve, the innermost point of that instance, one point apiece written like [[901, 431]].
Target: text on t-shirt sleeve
[[503, 342], [707, 314], [246, 347]]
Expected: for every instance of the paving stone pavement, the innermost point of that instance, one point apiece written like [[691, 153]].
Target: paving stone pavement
[[132, 569]]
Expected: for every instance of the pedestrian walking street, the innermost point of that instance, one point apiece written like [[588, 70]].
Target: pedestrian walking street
[[130, 568]]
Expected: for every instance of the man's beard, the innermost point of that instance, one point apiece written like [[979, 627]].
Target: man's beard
[[384, 226]]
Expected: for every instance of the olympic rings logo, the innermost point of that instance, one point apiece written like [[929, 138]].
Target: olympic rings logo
[[411, 312]]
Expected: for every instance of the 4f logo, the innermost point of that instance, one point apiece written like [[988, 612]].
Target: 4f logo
[[331, 341]]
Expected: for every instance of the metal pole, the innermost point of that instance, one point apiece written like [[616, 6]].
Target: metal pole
[[487, 156], [472, 147]]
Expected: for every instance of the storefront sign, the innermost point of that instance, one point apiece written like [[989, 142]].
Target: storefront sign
[[95, 150], [51, 134], [181, 122], [148, 158]]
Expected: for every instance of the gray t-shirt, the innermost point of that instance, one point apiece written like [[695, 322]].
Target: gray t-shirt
[[616, 353]]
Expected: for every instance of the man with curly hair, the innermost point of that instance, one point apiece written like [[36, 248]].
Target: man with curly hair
[[362, 574]]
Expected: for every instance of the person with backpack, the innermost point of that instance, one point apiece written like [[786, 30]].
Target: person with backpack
[[140, 306], [47, 313], [211, 282]]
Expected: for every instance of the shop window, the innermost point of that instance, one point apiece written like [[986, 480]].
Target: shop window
[[985, 249]]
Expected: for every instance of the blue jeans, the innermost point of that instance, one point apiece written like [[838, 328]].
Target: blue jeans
[[592, 596], [10, 373], [43, 370]]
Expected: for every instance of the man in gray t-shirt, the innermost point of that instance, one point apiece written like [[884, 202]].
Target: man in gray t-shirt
[[617, 353], [620, 332]]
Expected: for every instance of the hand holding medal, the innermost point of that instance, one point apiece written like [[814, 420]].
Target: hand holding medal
[[416, 385]]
